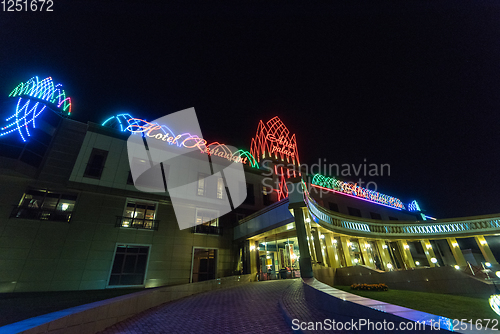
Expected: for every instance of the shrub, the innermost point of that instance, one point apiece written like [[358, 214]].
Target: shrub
[[370, 287]]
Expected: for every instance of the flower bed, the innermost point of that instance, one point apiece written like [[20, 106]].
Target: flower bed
[[370, 287]]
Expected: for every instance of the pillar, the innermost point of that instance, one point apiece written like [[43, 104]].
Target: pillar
[[364, 245], [345, 248], [310, 242], [305, 255], [331, 251], [429, 252], [485, 249], [317, 246], [406, 254], [384, 254], [457, 253]]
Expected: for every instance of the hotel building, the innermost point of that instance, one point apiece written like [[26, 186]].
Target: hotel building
[[71, 217]]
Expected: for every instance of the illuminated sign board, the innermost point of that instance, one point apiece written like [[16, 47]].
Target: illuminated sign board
[[353, 190], [273, 140], [125, 122]]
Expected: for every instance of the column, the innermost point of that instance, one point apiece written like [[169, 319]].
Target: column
[[305, 255], [485, 249], [406, 254], [254, 256], [310, 242], [384, 254], [364, 245], [457, 253], [331, 251], [317, 246], [346, 245], [429, 252]]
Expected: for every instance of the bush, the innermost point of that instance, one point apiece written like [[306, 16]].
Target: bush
[[370, 287]]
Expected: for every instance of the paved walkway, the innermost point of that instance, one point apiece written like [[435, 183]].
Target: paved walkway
[[250, 308]]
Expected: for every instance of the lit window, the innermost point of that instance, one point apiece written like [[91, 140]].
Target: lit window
[[139, 215], [45, 205], [207, 221], [201, 184], [220, 188]]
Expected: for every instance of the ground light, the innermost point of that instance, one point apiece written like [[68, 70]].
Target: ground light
[[495, 303], [457, 267], [434, 260]]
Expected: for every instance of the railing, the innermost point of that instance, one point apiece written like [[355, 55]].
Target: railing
[[448, 227], [205, 229], [138, 223], [40, 214]]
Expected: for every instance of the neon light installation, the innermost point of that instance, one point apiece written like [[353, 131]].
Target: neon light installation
[[34, 97], [125, 122], [353, 190], [413, 206], [273, 140]]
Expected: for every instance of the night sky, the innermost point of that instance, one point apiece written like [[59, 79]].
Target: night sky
[[413, 84]]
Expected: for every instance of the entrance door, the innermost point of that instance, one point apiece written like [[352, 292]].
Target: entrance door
[[204, 264]]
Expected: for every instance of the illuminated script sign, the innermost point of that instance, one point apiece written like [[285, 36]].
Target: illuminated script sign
[[350, 189], [125, 122], [273, 140]]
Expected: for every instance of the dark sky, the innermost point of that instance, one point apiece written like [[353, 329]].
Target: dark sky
[[413, 84]]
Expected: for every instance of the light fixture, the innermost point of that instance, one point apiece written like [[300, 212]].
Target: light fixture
[[349, 243], [289, 226], [389, 266], [417, 263], [487, 264], [356, 260], [64, 206], [334, 241], [498, 274], [322, 236], [406, 246], [434, 260], [457, 267], [455, 244], [429, 246], [252, 248], [368, 246], [483, 242], [308, 220], [384, 246], [495, 303]]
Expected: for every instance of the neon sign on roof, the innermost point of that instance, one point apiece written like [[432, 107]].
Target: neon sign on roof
[[34, 96], [273, 139], [345, 188], [125, 122]]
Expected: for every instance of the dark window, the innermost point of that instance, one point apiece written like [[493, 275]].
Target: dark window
[[129, 266], [266, 196], [250, 195], [204, 264], [374, 215], [96, 163], [45, 205], [354, 212], [130, 180], [333, 206], [418, 247], [393, 218]]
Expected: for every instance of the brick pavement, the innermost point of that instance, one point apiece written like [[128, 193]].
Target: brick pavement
[[249, 308]]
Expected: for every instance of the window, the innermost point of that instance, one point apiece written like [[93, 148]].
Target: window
[[45, 205], [204, 264], [220, 188], [374, 215], [333, 206], [202, 184], [393, 218], [266, 196], [250, 199], [207, 222], [96, 163], [354, 212], [129, 266], [138, 214]]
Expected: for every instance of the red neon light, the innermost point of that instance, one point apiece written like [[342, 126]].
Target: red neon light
[[273, 140]]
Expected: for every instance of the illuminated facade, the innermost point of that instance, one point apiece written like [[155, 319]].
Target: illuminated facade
[[73, 220]]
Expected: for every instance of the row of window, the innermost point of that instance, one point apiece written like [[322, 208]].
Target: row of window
[[356, 212], [130, 265]]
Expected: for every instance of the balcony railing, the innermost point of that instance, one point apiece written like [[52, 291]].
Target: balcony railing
[[138, 223], [40, 214], [205, 229]]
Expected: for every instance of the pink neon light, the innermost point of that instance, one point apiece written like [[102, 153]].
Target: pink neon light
[[357, 197]]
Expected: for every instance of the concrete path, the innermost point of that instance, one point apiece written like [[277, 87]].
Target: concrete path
[[251, 308]]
